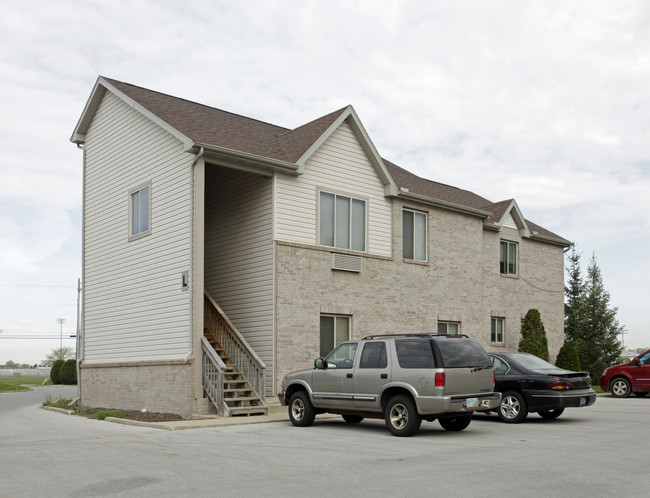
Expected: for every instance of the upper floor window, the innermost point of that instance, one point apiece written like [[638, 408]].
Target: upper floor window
[[449, 328], [342, 222], [508, 259], [498, 332], [140, 211], [414, 235]]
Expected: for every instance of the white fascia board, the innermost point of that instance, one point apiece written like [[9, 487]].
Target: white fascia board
[[443, 204], [243, 161], [366, 144], [518, 217], [147, 113], [79, 132], [550, 240]]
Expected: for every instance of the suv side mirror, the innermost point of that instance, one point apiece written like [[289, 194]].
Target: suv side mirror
[[320, 363]]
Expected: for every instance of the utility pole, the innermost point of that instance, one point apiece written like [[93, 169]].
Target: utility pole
[[61, 321]]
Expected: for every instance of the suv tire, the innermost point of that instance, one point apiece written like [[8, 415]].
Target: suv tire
[[620, 387], [352, 419], [401, 417], [512, 409], [455, 423], [301, 411]]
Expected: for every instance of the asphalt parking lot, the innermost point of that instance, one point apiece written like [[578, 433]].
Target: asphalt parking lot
[[594, 451]]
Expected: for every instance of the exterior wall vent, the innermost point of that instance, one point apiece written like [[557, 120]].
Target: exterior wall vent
[[346, 262]]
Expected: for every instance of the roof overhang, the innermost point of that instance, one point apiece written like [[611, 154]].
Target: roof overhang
[[442, 204], [95, 99], [243, 161]]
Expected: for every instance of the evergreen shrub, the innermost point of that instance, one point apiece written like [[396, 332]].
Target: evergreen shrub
[[533, 336], [55, 371], [69, 372], [568, 358]]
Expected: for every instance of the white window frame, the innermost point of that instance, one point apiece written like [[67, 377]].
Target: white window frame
[[336, 342], [495, 335], [426, 233], [350, 227], [505, 267], [140, 233], [447, 323]]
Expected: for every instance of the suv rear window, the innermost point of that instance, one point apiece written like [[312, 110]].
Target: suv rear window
[[414, 353], [462, 353]]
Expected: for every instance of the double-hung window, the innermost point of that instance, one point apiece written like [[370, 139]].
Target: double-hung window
[[414, 235], [140, 212], [342, 222], [333, 331], [498, 333], [508, 258]]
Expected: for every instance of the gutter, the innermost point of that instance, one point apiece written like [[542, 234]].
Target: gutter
[[443, 204], [246, 159]]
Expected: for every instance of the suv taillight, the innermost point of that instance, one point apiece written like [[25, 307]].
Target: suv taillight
[[440, 379]]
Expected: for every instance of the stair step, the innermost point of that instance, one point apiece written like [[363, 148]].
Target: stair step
[[247, 411]]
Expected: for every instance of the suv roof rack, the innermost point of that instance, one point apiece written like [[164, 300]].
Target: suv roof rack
[[378, 336]]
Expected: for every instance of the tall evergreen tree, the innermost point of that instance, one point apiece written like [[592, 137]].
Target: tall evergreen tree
[[596, 335], [533, 336], [574, 292]]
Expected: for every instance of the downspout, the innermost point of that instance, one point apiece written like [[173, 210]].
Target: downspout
[[190, 354]]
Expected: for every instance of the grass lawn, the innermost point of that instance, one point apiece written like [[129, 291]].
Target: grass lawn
[[19, 383]]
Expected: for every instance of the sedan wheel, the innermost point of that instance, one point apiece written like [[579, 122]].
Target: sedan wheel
[[551, 414], [620, 388], [513, 408]]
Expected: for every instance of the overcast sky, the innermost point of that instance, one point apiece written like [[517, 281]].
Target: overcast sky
[[544, 101]]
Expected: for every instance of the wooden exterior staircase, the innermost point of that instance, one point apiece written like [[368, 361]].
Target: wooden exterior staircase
[[233, 375]]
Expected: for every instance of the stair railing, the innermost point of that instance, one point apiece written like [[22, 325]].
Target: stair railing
[[248, 363], [213, 377]]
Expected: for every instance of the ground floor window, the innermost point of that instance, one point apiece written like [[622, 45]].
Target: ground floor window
[[449, 328], [498, 330], [334, 329]]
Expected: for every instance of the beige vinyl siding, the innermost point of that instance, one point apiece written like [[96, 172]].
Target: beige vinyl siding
[[239, 254], [339, 166], [134, 307]]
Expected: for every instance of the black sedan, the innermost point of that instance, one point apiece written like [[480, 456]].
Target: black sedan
[[530, 384]]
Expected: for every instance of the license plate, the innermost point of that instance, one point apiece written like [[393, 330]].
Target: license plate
[[471, 402], [583, 401]]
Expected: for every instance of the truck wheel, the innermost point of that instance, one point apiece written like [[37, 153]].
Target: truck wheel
[[401, 417], [301, 411], [352, 419], [455, 423], [512, 409], [620, 387]]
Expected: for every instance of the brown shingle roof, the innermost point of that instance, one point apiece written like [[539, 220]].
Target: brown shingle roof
[[211, 126]]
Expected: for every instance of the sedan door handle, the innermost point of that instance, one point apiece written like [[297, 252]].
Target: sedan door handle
[[349, 376]]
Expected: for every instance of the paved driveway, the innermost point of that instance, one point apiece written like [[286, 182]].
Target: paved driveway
[[594, 451]]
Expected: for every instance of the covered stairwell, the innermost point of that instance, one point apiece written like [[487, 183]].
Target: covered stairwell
[[233, 375]]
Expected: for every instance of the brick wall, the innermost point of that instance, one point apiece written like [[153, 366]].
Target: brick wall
[[158, 388], [459, 282]]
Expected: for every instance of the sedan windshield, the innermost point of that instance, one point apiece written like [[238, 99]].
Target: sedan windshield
[[530, 362]]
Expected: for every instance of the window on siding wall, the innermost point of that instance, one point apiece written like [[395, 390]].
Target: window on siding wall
[[449, 328], [342, 222], [333, 331], [414, 235], [498, 330], [508, 259], [140, 212]]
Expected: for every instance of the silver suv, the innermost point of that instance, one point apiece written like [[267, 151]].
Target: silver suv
[[402, 378]]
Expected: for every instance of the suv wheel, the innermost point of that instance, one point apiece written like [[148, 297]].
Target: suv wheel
[[620, 387], [301, 411], [551, 414], [401, 417], [352, 419], [512, 409], [455, 423]]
